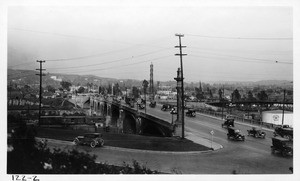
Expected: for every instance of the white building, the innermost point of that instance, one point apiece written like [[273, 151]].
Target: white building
[[275, 117]]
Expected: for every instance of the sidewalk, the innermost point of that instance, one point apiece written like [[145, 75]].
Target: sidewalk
[[203, 141]]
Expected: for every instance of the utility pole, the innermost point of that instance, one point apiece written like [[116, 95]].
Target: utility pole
[[222, 99], [40, 96], [283, 107], [182, 89]]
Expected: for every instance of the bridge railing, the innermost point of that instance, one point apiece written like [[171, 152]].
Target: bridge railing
[[238, 118]]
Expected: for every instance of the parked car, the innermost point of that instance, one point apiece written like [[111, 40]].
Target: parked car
[[283, 146], [91, 139], [235, 134], [284, 131], [229, 122], [256, 133], [191, 113]]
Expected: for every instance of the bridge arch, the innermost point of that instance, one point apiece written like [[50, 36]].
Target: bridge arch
[[150, 128], [129, 124], [115, 113]]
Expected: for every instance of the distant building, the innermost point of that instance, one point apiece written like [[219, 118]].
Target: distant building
[[56, 78]]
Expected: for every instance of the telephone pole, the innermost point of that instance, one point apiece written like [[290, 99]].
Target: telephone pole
[[40, 74], [283, 107], [181, 76]]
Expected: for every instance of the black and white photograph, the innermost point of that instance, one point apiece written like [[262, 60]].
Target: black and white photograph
[[112, 88]]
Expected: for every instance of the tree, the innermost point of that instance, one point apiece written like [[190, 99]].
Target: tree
[[116, 90], [199, 93], [135, 92], [262, 96], [50, 88], [65, 85], [220, 94], [26, 156], [236, 96], [210, 94], [250, 96], [81, 90]]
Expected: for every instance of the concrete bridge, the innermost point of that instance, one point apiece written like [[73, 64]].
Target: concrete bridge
[[129, 120]]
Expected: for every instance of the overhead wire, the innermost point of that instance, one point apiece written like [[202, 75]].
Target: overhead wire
[[248, 58], [112, 67], [108, 62], [242, 38]]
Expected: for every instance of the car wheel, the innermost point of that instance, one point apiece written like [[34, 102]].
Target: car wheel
[[272, 150], [284, 154], [101, 143], [93, 144], [76, 141]]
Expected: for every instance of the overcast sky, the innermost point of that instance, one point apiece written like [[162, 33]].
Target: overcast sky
[[223, 43]]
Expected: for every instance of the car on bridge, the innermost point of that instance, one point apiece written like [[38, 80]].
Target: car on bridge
[[173, 110], [152, 104], [91, 139], [283, 146], [235, 134], [191, 113], [284, 131], [229, 122], [141, 106], [256, 133], [166, 107]]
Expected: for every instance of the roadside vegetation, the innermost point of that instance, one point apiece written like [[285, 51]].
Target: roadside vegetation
[[26, 156]]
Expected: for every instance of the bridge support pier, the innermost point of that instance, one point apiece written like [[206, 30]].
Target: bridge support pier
[[120, 121], [108, 115], [138, 125]]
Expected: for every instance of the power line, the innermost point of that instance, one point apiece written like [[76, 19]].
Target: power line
[[242, 38], [258, 60], [113, 61], [90, 70]]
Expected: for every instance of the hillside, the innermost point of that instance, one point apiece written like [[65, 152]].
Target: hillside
[[23, 77]]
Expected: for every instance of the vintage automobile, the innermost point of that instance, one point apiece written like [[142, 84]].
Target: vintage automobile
[[91, 139], [173, 110], [130, 101], [256, 133], [166, 107], [191, 113], [282, 145], [141, 106], [229, 122], [284, 131], [235, 134], [152, 104]]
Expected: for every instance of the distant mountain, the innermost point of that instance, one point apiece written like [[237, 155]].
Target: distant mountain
[[29, 77], [261, 82]]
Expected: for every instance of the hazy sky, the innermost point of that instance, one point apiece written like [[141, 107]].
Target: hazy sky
[[223, 43]]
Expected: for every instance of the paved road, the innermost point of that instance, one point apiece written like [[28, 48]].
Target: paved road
[[252, 156]]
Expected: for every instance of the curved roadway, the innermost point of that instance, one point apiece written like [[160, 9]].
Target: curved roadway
[[250, 157]]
